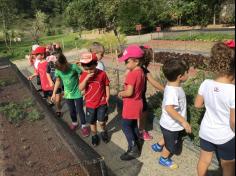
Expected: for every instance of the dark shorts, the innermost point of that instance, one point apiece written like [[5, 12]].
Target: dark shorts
[[173, 140], [145, 105], [47, 94], [99, 114], [224, 151]]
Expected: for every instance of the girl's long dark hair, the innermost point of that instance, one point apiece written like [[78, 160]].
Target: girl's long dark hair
[[61, 63]]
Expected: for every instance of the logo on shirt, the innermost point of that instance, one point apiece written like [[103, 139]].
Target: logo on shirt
[[216, 89]]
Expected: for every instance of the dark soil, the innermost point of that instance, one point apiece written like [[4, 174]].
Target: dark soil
[[30, 148]]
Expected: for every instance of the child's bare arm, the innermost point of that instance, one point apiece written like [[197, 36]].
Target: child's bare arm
[[175, 115], [199, 101], [128, 92], [107, 94], [50, 80], [154, 83], [83, 84], [232, 119], [56, 86], [32, 76]]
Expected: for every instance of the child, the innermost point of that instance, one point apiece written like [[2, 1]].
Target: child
[[99, 50], [174, 114], [132, 99], [52, 79], [217, 130], [148, 56], [97, 93], [40, 53], [69, 75]]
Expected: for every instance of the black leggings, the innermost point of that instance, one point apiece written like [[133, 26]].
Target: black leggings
[[75, 107]]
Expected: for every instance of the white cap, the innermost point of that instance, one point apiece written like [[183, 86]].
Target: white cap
[[34, 47]]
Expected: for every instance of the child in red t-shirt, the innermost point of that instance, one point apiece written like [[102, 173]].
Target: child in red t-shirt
[[40, 53], [132, 99], [95, 83]]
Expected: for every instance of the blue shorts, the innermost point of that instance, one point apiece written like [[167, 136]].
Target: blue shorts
[[224, 151], [173, 140], [99, 114]]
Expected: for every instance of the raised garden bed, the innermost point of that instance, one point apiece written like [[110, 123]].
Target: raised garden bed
[[32, 141]]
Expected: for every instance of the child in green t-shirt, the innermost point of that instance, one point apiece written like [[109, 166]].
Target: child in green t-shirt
[[69, 75]]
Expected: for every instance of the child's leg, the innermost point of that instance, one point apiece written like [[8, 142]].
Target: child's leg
[[58, 103], [102, 113], [227, 155], [228, 167], [204, 162], [80, 109], [93, 129], [72, 109], [129, 132]]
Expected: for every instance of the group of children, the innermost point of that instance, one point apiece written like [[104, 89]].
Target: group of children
[[88, 82]]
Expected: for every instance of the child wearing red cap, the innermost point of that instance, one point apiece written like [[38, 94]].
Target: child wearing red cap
[[69, 74], [95, 83], [132, 99], [40, 53], [217, 130]]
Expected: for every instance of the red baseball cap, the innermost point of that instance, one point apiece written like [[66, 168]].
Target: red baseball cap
[[230, 43], [39, 50], [132, 51], [87, 57]]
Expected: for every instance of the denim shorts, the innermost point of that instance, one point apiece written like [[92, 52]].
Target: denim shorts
[[99, 114], [224, 151]]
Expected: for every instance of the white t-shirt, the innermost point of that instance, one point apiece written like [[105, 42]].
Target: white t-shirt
[[218, 99], [173, 96], [36, 63], [101, 66]]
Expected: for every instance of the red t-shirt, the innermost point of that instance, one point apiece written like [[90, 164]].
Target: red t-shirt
[[42, 72], [133, 106], [95, 91]]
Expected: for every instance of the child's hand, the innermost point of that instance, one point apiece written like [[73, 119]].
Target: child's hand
[[53, 97], [51, 84], [120, 94], [30, 77], [107, 100], [89, 75], [187, 127]]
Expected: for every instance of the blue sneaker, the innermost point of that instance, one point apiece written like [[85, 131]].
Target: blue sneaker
[[157, 147], [167, 163]]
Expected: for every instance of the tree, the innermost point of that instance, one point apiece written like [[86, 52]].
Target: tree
[[38, 25], [7, 15]]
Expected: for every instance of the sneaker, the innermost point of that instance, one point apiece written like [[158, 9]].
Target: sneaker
[[105, 137], [73, 127], [85, 131], [157, 147], [95, 140], [146, 136], [167, 163]]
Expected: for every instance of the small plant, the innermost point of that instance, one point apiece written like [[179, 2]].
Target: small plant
[[4, 83], [16, 112]]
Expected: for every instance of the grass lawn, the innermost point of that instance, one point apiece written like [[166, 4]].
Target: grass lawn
[[212, 37], [68, 41]]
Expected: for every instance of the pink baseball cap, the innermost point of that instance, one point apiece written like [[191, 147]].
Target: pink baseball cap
[[230, 43], [132, 51], [87, 57]]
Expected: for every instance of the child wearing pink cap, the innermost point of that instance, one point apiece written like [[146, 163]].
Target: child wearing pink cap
[[132, 97], [217, 130]]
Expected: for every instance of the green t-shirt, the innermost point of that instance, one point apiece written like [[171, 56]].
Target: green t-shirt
[[70, 81]]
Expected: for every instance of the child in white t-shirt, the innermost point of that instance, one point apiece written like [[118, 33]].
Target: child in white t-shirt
[[174, 111], [217, 131]]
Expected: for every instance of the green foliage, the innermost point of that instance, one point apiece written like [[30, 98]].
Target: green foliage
[[195, 116], [213, 37], [16, 112], [4, 83]]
